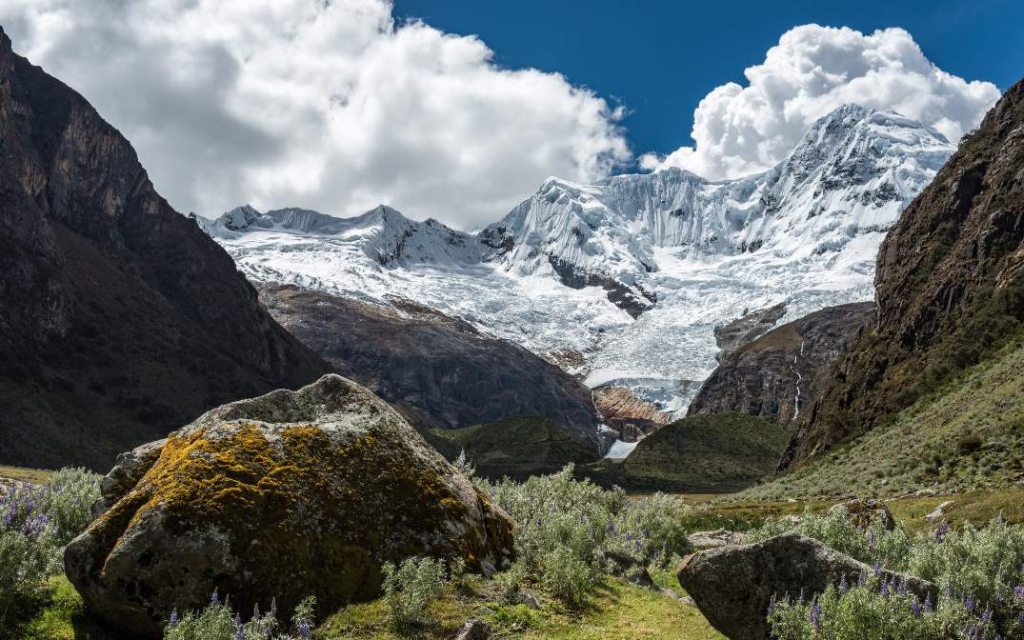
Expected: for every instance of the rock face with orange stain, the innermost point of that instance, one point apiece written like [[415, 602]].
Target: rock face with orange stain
[[282, 496]]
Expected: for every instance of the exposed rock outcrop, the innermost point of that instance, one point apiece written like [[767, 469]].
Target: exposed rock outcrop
[[867, 512], [782, 373], [119, 318], [949, 286], [751, 326], [733, 586], [438, 371], [282, 496], [631, 416]]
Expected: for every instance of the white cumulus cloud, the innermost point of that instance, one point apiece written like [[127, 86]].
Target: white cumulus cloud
[[328, 105], [739, 130]]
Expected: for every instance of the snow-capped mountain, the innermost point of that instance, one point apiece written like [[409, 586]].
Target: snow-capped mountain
[[632, 272]]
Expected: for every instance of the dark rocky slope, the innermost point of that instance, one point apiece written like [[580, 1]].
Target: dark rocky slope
[[949, 286], [119, 318], [783, 372], [438, 371]]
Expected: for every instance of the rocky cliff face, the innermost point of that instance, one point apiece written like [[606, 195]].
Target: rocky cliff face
[[950, 286], [628, 414], [119, 318], [781, 373], [437, 370], [747, 328]]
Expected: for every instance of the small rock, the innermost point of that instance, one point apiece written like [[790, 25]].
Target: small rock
[[531, 601], [714, 539], [733, 586], [474, 630], [940, 511], [865, 512], [924, 493]]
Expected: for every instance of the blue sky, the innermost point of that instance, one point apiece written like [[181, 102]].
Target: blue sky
[[659, 58]]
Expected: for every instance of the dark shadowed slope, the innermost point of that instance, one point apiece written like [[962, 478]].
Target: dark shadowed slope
[[950, 286], [119, 318], [439, 371], [782, 373]]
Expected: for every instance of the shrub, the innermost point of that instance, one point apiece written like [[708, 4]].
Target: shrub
[[410, 588], [888, 612], [67, 500], [219, 622], [873, 545], [567, 529]]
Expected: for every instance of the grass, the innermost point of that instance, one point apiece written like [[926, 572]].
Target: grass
[[967, 436], [60, 615], [617, 610], [22, 474], [709, 453]]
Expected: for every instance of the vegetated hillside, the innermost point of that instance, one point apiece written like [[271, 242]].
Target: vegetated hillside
[[119, 318], [517, 447], [781, 373], [710, 453], [967, 434], [438, 371], [950, 286]]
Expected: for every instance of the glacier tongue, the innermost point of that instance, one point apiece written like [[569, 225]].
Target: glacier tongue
[[633, 272]]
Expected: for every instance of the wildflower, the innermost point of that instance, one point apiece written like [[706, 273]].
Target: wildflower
[[871, 538], [771, 605], [986, 617], [214, 599], [304, 631], [901, 587], [941, 531], [844, 586], [969, 604], [915, 606], [610, 527], [878, 570], [928, 606], [814, 615], [1018, 592], [174, 617], [885, 588]]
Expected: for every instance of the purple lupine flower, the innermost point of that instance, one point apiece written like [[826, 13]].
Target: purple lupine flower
[[304, 631], [969, 604], [986, 616], [901, 587], [801, 599], [610, 527], [214, 599], [814, 615], [239, 629], [948, 591], [771, 605], [885, 588], [861, 579], [871, 538], [1018, 592], [928, 606], [915, 606], [878, 569], [844, 586], [174, 617], [941, 531]]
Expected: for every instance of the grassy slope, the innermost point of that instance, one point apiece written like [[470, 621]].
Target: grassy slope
[[515, 447], [968, 435], [711, 453]]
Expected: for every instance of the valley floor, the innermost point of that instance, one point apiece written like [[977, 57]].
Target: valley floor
[[617, 609]]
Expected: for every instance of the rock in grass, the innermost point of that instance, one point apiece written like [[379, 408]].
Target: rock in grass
[[732, 586], [866, 512], [474, 630], [286, 495]]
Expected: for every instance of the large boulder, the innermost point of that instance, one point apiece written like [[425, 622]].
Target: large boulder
[[733, 586], [866, 512], [282, 496]]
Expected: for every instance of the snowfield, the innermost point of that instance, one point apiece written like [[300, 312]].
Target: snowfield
[[633, 272]]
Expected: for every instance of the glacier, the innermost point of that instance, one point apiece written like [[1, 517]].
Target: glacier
[[623, 281]]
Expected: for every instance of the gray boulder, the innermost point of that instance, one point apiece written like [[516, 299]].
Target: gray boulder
[[866, 512], [283, 496], [733, 586]]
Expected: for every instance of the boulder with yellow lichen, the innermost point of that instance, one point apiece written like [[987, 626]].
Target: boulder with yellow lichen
[[282, 496]]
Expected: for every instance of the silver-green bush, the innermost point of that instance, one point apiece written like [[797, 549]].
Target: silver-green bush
[[410, 588]]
